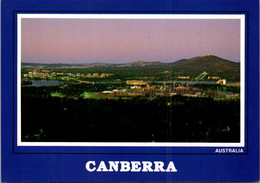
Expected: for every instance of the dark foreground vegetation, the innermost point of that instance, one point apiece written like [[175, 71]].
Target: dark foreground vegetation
[[162, 119]]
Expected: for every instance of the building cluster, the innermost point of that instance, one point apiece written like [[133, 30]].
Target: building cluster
[[213, 77], [135, 87], [184, 77], [136, 82], [164, 89], [221, 82], [202, 76], [155, 90], [35, 73], [46, 74]]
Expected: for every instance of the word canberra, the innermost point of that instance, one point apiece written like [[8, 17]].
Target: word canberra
[[130, 166]]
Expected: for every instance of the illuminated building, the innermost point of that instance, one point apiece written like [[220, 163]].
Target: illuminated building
[[136, 82]]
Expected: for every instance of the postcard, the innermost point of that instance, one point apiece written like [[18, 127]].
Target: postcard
[[128, 95]]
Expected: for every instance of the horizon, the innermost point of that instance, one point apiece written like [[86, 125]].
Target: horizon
[[119, 41], [89, 63]]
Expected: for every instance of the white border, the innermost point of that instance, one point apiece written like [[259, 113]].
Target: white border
[[135, 16]]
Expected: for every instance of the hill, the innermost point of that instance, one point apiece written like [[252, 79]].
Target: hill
[[209, 63], [212, 64]]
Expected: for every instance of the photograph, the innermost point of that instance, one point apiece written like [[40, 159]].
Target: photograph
[[130, 78], [129, 91]]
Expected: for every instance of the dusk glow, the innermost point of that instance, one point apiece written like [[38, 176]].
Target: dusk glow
[[126, 40]]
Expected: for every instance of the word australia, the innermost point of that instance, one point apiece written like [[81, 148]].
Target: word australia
[[130, 166]]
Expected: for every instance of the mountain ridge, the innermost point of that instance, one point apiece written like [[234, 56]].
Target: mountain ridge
[[214, 65]]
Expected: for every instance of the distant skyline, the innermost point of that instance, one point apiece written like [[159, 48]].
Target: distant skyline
[[48, 40]]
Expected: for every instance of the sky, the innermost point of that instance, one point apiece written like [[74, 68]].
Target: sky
[[48, 40]]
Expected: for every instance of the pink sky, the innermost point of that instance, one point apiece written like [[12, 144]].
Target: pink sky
[[127, 40]]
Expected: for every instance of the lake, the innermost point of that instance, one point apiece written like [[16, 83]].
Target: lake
[[170, 81], [45, 83]]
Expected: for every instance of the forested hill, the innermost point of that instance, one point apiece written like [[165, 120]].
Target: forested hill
[[208, 63]]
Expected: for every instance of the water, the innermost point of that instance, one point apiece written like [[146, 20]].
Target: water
[[46, 83], [170, 81], [188, 82]]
